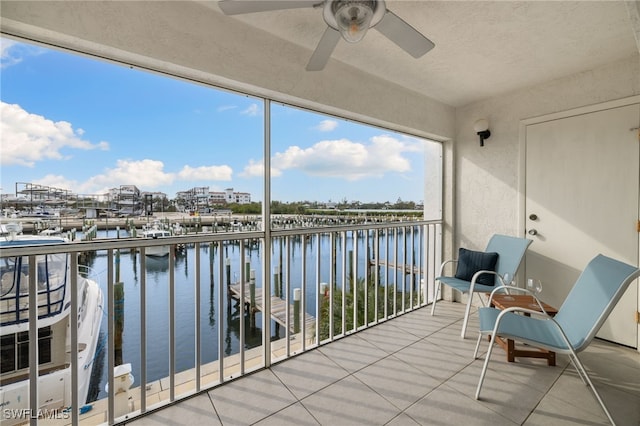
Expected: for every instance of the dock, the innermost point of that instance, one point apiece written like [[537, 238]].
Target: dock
[[408, 269], [278, 308]]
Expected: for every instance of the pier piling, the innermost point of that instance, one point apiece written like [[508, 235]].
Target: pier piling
[[296, 310], [252, 298], [276, 281]]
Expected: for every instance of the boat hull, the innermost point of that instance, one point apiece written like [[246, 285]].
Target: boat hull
[[55, 370], [157, 251]]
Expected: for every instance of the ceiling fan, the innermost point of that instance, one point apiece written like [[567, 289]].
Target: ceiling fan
[[347, 18]]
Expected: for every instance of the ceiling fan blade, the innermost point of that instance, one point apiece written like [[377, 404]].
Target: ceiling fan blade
[[404, 35], [239, 7], [324, 49]]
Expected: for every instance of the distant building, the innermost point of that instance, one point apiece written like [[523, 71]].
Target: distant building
[[127, 199], [150, 198], [330, 205], [217, 198], [36, 194], [155, 195], [236, 197], [201, 198], [194, 198]]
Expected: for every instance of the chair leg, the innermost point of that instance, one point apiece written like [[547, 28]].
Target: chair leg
[[475, 353], [435, 299], [466, 316], [486, 362], [575, 365], [583, 373]]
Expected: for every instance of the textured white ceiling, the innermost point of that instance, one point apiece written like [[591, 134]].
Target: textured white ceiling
[[483, 48]]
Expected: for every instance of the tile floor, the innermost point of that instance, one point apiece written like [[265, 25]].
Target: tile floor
[[416, 370]]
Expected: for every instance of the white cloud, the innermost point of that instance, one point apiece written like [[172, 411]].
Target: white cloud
[[327, 125], [28, 138], [148, 174], [256, 168], [252, 111], [143, 173], [12, 52], [253, 169], [6, 55], [346, 159], [58, 181], [226, 108], [206, 173]]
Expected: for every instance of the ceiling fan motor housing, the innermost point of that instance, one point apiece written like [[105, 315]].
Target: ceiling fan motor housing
[[355, 9]]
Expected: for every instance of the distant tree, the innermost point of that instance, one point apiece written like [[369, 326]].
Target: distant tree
[[404, 205], [251, 208], [279, 207]]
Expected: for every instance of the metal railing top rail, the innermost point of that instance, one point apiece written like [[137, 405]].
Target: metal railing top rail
[[341, 228], [202, 237]]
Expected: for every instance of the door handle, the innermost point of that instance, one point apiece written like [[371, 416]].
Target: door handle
[[533, 232]]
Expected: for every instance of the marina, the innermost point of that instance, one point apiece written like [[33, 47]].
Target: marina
[[157, 281], [197, 291], [223, 221]]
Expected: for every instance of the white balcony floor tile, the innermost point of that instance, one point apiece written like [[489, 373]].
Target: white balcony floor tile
[[416, 370]]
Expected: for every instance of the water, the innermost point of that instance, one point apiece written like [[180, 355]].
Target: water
[[157, 292]]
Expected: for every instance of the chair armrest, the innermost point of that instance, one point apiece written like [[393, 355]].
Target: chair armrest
[[475, 277], [538, 302], [441, 273]]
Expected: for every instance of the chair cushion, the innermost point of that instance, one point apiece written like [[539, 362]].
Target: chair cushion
[[470, 262]]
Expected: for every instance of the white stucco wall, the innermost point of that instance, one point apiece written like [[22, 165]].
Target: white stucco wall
[[487, 179]]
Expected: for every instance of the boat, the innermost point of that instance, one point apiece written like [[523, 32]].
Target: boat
[[51, 232], [10, 228], [54, 328], [156, 230]]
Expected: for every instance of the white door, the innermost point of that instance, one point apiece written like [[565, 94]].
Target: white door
[[581, 199]]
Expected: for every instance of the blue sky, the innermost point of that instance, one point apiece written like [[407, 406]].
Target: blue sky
[[86, 125]]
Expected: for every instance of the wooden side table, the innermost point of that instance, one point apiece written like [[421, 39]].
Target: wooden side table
[[505, 301]]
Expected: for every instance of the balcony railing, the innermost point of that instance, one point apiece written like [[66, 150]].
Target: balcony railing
[[221, 305]]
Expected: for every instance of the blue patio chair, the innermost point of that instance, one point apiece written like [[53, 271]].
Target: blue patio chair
[[583, 312], [475, 272]]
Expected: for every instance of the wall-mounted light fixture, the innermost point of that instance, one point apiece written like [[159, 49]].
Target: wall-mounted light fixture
[[481, 127]]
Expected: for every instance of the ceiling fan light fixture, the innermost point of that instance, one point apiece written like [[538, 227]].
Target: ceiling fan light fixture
[[348, 19], [354, 18]]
